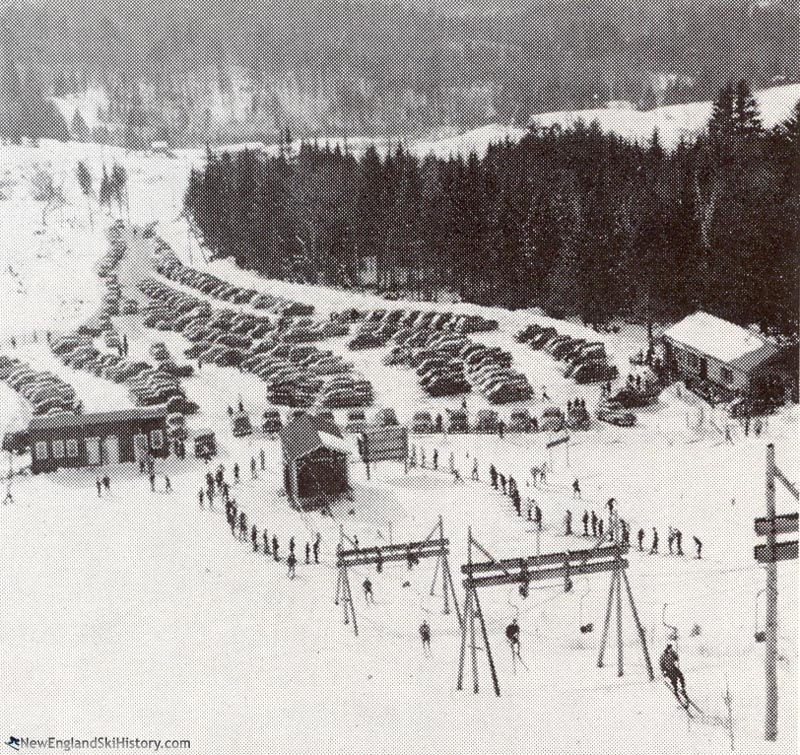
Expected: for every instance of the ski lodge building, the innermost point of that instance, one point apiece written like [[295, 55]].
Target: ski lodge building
[[314, 461], [705, 347], [91, 440]]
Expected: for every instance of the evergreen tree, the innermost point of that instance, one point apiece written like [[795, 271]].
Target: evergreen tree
[[80, 131], [746, 115]]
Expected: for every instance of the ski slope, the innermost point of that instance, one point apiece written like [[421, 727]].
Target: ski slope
[[139, 614]]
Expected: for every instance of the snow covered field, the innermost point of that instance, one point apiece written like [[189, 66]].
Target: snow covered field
[[139, 614]]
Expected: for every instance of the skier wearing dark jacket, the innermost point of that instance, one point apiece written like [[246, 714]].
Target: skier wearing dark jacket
[[669, 668]]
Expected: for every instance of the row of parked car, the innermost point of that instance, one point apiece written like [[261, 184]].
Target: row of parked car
[[148, 385], [586, 361], [296, 373], [47, 393], [380, 325], [168, 265]]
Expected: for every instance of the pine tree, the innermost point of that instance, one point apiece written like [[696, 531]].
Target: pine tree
[[80, 131], [746, 115]]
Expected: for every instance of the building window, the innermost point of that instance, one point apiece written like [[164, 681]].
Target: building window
[[156, 438], [72, 448], [58, 449], [727, 374], [41, 449], [692, 360]]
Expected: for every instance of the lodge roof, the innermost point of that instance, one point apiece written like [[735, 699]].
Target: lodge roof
[[120, 416], [722, 340]]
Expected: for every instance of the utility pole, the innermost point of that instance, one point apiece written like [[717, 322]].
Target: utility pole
[[771, 648]]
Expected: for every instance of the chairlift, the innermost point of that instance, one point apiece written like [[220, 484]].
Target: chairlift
[[673, 630], [760, 635], [587, 628]]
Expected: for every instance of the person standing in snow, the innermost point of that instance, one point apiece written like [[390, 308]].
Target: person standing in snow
[[152, 482], [253, 472], [107, 483], [475, 469], [435, 459], [654, 546], [254, 538], [502, 482], [291, 562], [594, 524], [242, 525], [585, 519], [317, 542], [670, 538], [275, 548], [308, 553], [167, 484], [368, 596], [640, 538], [679, 542], [576, 489], [568, 523], [537, 517], [236, 472], [425, 635], [99, 486], [493, 476], [266, 543], [200, 497], [262, 459], [698, 546], [234, 520]]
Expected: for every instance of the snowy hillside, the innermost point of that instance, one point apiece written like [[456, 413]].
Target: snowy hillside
[[137, 613]]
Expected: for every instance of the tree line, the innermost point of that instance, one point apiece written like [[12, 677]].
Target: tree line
[[188, 74], [576, 221]]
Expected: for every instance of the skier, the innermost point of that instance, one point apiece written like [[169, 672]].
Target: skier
[[200, 497], [316, 548], [654, 546], [512, 636], [262, 459], [254, 538], [107, 484], [422, 457], [576, 489], [308, 553], [275, 548], [99, 487], [585, 520], [640, 538], [594, 524], [537, 517], [626, 533], [153, 482], [266, 543], [493, 476], [236, 472], [475, 469], [679, 542], [253, 472], [501, 428], [435, 459], [568, 523], [291, 544], [502, 482], [670, 538], [368, 596], [242, 525], [210, 496], [425, 634], [291, 562], [220, 475], [167, 484], [600, 528], [233, 519], [698, 546], [669, 668], [512, 485]]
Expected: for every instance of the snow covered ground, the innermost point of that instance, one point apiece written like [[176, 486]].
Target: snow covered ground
[[138, 614]]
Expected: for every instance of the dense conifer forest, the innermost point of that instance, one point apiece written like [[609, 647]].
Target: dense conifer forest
[[577, 222]]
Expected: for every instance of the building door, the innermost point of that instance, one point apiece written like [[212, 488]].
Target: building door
[[111, 450], [140, 446], [93, 452], [703, 368]]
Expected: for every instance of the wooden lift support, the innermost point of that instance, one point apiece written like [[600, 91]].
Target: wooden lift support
[[523, 570], [770, 553], [430, 547]]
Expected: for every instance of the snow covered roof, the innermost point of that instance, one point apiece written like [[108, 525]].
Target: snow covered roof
[[722, 340], [139, 413], [306, 434]]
